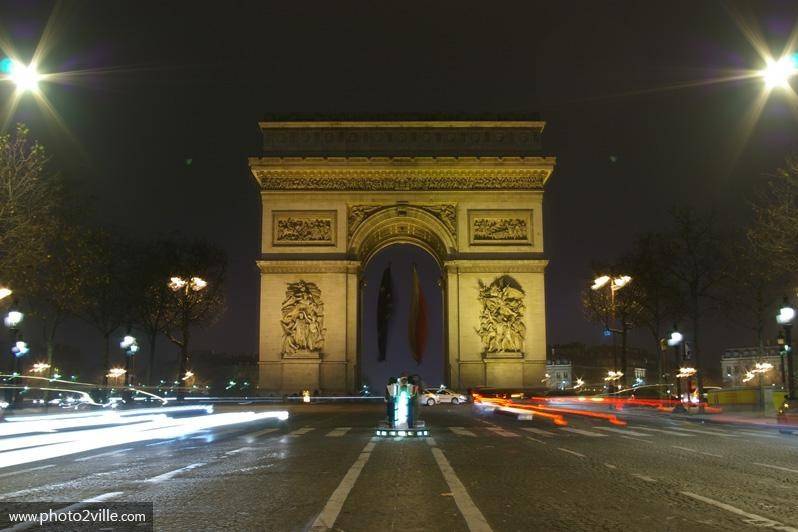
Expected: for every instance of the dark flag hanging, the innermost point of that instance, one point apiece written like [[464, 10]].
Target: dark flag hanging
[[384, 311], [417, 326]]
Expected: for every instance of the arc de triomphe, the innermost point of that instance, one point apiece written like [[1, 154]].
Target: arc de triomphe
[[335, 193]]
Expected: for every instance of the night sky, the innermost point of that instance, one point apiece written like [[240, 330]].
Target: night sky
[[167, 81]]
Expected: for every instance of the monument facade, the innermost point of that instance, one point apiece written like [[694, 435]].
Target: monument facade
[[336, 193]]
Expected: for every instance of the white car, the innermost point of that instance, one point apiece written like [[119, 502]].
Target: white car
[[434, 396]]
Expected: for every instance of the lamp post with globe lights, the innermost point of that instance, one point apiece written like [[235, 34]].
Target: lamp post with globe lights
[[19, 347], [614, 284], [188, 291], [130, 347], [785, 318]]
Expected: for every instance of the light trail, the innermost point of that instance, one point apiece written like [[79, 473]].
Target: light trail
[[33, 448]]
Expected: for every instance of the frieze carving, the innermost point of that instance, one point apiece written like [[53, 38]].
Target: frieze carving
[[400, 179], [445, 212], [303, 228], [411, 138], [501, 321], [302, 320], [500, 227]]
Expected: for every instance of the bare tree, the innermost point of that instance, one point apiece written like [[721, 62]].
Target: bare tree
[[694, 262], [196, 295], [28, 192], [103, 285]]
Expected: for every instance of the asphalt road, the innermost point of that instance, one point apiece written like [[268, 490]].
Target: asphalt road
[[322, 469]]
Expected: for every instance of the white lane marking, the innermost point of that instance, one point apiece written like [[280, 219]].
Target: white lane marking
[[751, 519], [167, 441], [501, 432], [460, 431], [72, 507], [669, 432], [326, 519], [584, 432], [643, 477], [571, 452], [777, 467], [540, 432], [338, 432], [431, 442], [300, 432], [474, 519], [535, 439], [236, 451], [759, 434], [696, 451], [635, 439], [260, 433], [623, 431], [611, 466], [710, 432], [111, 453], [26, 470], [175, 472]]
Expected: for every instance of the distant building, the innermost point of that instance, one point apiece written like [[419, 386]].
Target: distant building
[[558, 374], [591, 363], [738, 362]]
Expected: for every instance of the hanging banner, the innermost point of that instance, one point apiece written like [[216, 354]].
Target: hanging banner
[[417, 325], [384, 312]]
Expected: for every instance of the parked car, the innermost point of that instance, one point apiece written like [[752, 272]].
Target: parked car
[[433, 396]]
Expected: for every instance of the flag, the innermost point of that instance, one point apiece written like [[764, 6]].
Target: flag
[[417, 325], [384, 311]]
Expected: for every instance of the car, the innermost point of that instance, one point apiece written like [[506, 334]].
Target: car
[[434, 396]]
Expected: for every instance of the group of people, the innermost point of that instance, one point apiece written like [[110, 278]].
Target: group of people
[[402, 401]]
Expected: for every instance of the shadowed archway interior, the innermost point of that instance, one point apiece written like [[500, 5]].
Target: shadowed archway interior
[[401, 258]]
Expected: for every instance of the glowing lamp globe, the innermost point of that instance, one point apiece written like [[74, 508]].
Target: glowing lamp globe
[[777, 72], [675, 339], [786, 315]]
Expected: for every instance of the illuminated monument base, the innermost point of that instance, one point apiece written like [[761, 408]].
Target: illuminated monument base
[[336, 193]]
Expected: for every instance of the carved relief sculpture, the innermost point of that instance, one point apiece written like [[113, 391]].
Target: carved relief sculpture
[[445, 212], [501, 322], [303, 320], [501, 227], [304, 228]]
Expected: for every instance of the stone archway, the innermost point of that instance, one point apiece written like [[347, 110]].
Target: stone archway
[[336, 193]]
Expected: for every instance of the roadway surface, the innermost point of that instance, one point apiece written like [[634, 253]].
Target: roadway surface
[[321, 469]]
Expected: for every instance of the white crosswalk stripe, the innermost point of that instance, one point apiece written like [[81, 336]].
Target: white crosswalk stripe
[[460, 431], [583, 432], [501, 432], [625, 432], [540, 432], [338, 432], [260, 433], [300, 432], [669, 432]]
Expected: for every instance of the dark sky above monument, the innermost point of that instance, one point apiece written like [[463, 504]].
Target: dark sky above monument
[[615, 81]]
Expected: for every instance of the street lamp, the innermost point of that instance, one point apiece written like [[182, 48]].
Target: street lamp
[[19, 348], [40, 367], [5, 292], [116, 373], [129, 347], [675, 341], [614, 284], [185, 287], [25, 77], [785, 318], [777, 72]]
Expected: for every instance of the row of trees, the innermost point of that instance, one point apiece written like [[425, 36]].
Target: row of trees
[[61, 268], [697, 270]]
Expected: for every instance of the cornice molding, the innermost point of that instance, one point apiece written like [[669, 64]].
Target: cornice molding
[[309, 266], [498, 266], [402, 173]]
